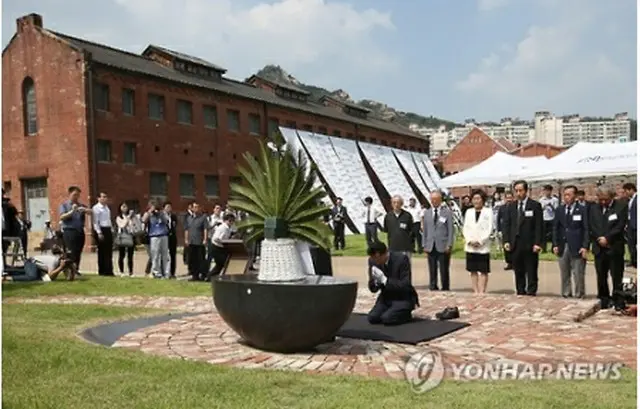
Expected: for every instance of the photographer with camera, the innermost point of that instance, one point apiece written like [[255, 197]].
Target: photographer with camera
[[47, 267], [158, 226]]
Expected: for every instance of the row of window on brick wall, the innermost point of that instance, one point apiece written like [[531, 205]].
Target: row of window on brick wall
[[159, 185], [184, 114], [104, 154], [184, 110]]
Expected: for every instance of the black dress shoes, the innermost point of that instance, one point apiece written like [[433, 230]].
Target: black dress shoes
[[449, 313]]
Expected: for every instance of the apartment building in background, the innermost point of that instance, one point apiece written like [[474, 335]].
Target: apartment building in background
[[571, 129], [545, 128]]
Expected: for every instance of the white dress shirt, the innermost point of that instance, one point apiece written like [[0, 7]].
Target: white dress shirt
[[101, 217], [371, 214], [416, 212], [222, 232]]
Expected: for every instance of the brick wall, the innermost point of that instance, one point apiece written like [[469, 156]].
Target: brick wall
[[474, 148], [58, 150]]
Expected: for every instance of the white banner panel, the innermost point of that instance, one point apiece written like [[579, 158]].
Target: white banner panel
[[291, 138], [332, 170], [433, 173], [410, 167], [386, 168], [435, 177], [422, 168], [354, 170]]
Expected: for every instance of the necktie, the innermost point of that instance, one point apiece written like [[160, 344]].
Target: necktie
[[435, 216], [568, 216], [520, 210], [368, 214]]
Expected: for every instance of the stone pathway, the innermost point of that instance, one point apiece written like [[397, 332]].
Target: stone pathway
[[503, 328]]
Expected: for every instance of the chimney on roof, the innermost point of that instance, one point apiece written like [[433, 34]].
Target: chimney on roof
[[29, 21]]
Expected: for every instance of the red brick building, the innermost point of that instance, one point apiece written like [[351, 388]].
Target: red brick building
[[538, 149], [474, 148], [159, 124], [477, 147]]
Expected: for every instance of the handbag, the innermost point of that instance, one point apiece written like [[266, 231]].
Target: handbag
[[124, 239]]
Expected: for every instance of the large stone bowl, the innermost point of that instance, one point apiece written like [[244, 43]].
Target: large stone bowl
[[284, 317]]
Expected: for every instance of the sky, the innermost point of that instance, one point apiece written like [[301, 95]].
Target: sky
[[453, 59]]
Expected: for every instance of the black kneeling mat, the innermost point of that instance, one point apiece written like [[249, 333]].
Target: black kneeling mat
[[413, 332]]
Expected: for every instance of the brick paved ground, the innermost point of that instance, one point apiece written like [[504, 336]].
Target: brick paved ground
[[504, 328]]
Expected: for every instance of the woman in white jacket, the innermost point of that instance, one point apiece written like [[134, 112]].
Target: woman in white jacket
[[478, 225]]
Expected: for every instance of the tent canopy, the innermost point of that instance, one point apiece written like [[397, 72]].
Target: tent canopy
[[500, 168], [587, 160]]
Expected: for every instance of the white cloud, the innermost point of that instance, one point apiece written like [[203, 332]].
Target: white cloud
[[333, 36], [556, 65], [489, 5]]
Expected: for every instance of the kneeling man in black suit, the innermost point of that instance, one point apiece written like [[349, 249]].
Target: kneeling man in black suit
[[390, 273]]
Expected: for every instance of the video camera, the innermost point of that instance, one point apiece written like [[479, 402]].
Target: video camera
[[627, 296]]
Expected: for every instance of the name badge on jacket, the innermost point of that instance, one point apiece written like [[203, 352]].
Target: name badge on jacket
[[443, 220], [403, 225], [528, 213], [577, 217], [613, 217]]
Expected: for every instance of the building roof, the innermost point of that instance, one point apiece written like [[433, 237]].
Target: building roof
[[506, 144], [537, 144], [151, 48], [277, 84], [127, 61], [344, 103]]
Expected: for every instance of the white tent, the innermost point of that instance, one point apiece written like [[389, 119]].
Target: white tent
[[587, 160], [500, 168]]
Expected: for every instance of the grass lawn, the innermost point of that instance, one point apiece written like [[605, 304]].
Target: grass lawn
[[45, 365], [92, 285]]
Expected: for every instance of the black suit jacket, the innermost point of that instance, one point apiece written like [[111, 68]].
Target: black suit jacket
[[633, 215], [526, 232], [339, 216], [502, 215], [573, 232], [173, 226], [11, 227], [398, 273], [609, 225]]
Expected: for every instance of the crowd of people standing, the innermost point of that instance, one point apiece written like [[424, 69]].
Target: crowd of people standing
[[571, 227], [156, 229]]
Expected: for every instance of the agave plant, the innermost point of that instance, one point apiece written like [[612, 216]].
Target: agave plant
[[284, 206]]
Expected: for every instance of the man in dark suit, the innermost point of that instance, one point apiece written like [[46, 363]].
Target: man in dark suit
[[502, 212], [173, 237], [339, 218], [523, 238], [10, 225], [390, 273], [607, 220], [571, 242], [185, 220], [25, 228], [632, 225]]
